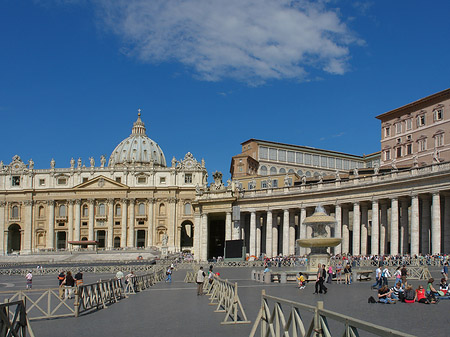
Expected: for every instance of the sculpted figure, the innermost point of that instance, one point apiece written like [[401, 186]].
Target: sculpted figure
[[303, 179], [102, 161], [415, 161], [355, 172], [31, 164], [92, 161], [337, 175], [72, 163], [52, 163], [79, 163], [376, 168]]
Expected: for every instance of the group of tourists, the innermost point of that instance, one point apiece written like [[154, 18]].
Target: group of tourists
[[67, 283]]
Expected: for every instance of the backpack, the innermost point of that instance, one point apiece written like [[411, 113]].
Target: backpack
[[371, 300]]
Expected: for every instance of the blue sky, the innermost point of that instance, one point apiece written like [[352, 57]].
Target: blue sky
[[211, 74]]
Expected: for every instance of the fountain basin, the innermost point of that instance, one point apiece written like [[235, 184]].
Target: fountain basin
[[319, 242]]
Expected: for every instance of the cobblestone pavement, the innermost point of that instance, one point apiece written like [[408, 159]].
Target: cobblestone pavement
[[175, 310]]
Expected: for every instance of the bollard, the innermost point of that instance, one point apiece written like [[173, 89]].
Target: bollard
[[283, 277], [254, 275], [267, 277]]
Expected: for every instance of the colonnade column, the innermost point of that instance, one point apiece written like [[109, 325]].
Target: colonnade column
[[91, 220], [337, 229], [383, 227], [364, 228], [204, 237], [51, 225], [269, 234], [345, 231], [415, 235], [252, 233], [404, 226], [150, 224], [285, 251], [130, 237], [302, 228], [275, 235], [110, 224], [28, 226], [258, 235], [236, 230], [291, 233], [197, 235], [173, 239], [436, 224], [394, 226], [426, 225], [228, 226], [124, 224], [2, 227], [446, 247], [70, 224], [356, 228], [375, 228], [77, 220]]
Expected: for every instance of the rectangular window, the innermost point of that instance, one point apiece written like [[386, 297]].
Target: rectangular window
[[250, 186], [438, 114], [281, 155], [331, 162], [41, 182], [323, 161], [439, 140], [387, 155], [272, 154], [398, 128], [339, 163], [307, 159], [387, 131], [162, 180], [291, 156], [409, 149], [408, 138], [346, 164], [118, 179], [275, 183], [62, 181], [408, 123], [399, 140], [422, 145], [299, 157], [117, 223], [399, 152], [421, 120], [85, 179], [142, 180], [288, 182], [15, 181], [84, 223], [263, 152], [188, 178], [315, 160], [264, 184], [141, 223]]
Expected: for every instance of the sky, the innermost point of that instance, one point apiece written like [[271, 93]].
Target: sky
[[211, 74]]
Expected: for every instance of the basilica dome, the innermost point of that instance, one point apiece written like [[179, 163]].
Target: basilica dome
[[137, 149]]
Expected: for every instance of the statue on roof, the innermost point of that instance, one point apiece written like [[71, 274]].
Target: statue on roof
[[52, 163]]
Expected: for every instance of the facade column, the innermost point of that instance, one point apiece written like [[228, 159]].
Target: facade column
[[236, 230], [364, 228], [197, 234], [252, 238], [356, 229], [404, 244], [269, 234], [173, 239], [70, 224], [77, 220], [2, 227], [394, 226], [426, 216], [302, 229], [375, 228], [345, 231], [27, 244], [337, 229], [51, 225], [228, 226], [258, 235], [124, 223], [292, 233], [110, 224], [130, 236], [204, 237], [436, 224], [285, 251], [150, 222], [91, 220], [446, 247], [415, 235], [275, 235], [383, 228]]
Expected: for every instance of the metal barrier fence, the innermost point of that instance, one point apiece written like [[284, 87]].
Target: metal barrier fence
[[388, 262], [14, 322], [279, 317]]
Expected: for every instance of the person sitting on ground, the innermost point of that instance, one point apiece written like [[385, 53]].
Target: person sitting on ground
[[398, 292], [431, 293], [443, 286], [301, 281], [384, 295], [410, 294], [420, 296]]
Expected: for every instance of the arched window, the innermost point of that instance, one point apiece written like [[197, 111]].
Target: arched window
[[15, 212], [118, 210], [101, 209], [282, 170], [162, 209], [187, 209], [141, 209], [300, 173], [273, 170], [62, 210], [291, 171], [316, 174], [85, 211], [308, 174], [263, 170]]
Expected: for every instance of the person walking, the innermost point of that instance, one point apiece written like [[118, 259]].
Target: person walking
[[78, 278], [404, 274], [200, 279], [385, 275], [29, 279], [169, 274], [330, 274], [61, 278], [378, 279], [69, 283], [445, 271], [339, 273]]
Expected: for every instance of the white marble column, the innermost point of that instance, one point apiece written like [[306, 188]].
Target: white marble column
[[252, 239], [236, 230], [292, 242], [356, 228], [51, 225], [91, 221], [70, 224], [197, 235], [436, 224], [404, 244], [2, 227], [150, 222], [77, 220], [446, 247], [275, 235], [426, 217], [27, 244], [394, 226], [110, 224], [415, 233], [258, 235], [302, 229], [338, 227], [383, 227], [285, 250], [173, 239], [228, 226], [269, 226], [204, 237], [375, 228], [124, 223], [345, 231], [131, 225], [364, 228]]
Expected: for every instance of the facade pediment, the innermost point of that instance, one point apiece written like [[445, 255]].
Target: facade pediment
[[99, 183]]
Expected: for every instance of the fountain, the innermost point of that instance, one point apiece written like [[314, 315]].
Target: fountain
[[319, 242]]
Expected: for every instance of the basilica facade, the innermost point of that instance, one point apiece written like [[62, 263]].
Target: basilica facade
[[132, 200]]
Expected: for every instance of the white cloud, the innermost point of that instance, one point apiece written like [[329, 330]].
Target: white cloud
[[248, 40]]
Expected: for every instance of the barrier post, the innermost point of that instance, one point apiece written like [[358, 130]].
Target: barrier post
[[318, 332]]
